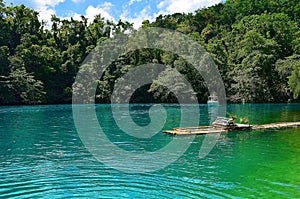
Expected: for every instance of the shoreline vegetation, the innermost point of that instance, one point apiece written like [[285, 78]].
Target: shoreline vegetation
[[255, 45]]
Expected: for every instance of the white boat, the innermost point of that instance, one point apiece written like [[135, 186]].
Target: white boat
[[213, 100]]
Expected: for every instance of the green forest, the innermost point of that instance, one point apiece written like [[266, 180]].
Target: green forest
[[255, 45]]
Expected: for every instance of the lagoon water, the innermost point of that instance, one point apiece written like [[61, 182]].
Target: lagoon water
[[42, 156]]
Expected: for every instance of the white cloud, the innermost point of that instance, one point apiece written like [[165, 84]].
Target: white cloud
[[75, 16], [106, 5], [46, 8], [138, 18], [45, 14], [91, 11], [69, 14], [102, 9], [47, 3], [133, 1], [78, 1], [161, 4], [174, 6]]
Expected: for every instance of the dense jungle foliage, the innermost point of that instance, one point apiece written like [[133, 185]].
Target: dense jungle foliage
[[255, 44]]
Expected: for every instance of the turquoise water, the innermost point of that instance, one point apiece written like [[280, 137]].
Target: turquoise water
[[42, 156]]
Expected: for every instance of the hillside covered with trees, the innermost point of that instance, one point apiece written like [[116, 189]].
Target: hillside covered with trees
[[255, 44]]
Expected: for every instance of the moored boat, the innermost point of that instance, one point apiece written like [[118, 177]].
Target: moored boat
[[213, 100], [221, 124], [229, 124]]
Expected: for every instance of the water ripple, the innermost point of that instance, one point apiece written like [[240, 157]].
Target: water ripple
[[41, 156]]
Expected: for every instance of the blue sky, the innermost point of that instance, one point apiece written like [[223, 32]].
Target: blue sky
[[134, 11]]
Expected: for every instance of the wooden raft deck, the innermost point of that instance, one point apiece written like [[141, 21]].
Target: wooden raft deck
[[208, 129], [276, 125]]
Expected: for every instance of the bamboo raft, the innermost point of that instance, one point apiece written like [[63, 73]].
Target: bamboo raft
[[200, 130]]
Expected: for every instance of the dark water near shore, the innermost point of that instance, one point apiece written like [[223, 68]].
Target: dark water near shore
[[42, 156]]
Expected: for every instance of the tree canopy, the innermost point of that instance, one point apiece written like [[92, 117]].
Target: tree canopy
[[255, 45]]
